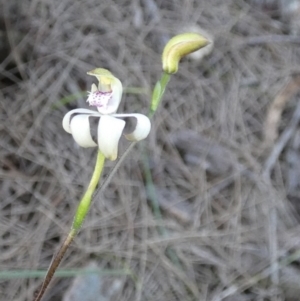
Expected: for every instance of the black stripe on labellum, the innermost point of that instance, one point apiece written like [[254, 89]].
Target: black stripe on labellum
[[93, 123], [72, 116], [130, 124]]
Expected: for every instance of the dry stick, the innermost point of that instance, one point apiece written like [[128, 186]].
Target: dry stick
[[276, 108], [267, 39], [281, 143]]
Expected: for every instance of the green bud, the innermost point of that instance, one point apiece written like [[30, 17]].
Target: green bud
[[180, 46]]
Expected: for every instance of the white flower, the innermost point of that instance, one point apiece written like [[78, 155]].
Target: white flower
[[104, 129], [90, 129]]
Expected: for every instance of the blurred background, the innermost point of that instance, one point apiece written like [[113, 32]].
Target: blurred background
[[207, 208]]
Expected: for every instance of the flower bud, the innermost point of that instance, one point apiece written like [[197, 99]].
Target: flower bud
[[180, 46]]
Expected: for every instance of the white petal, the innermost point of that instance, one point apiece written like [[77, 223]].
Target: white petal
[[109, 133], [141, 127], [81, 132], [117, 89], [70, 115]]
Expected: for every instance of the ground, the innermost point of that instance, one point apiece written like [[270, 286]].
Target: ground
[[207, 208]]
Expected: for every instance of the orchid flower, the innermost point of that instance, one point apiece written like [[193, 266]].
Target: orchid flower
[[104, 128]]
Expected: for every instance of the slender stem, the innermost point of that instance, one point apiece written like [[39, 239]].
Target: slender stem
[[85, 203], [80, 215], [55, 263]]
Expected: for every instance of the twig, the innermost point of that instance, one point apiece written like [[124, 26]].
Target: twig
[[268, 39], [276, 108], [281, 143]]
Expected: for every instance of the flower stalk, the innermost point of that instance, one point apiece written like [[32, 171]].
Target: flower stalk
[[85, 203]]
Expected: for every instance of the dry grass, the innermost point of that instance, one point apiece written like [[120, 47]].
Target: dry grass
[[215, 241]]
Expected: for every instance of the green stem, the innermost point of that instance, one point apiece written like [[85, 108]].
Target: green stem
[[85, 202], [158, 92], [80, 215]]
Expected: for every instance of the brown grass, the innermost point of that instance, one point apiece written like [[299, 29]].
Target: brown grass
[[223, 242]]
